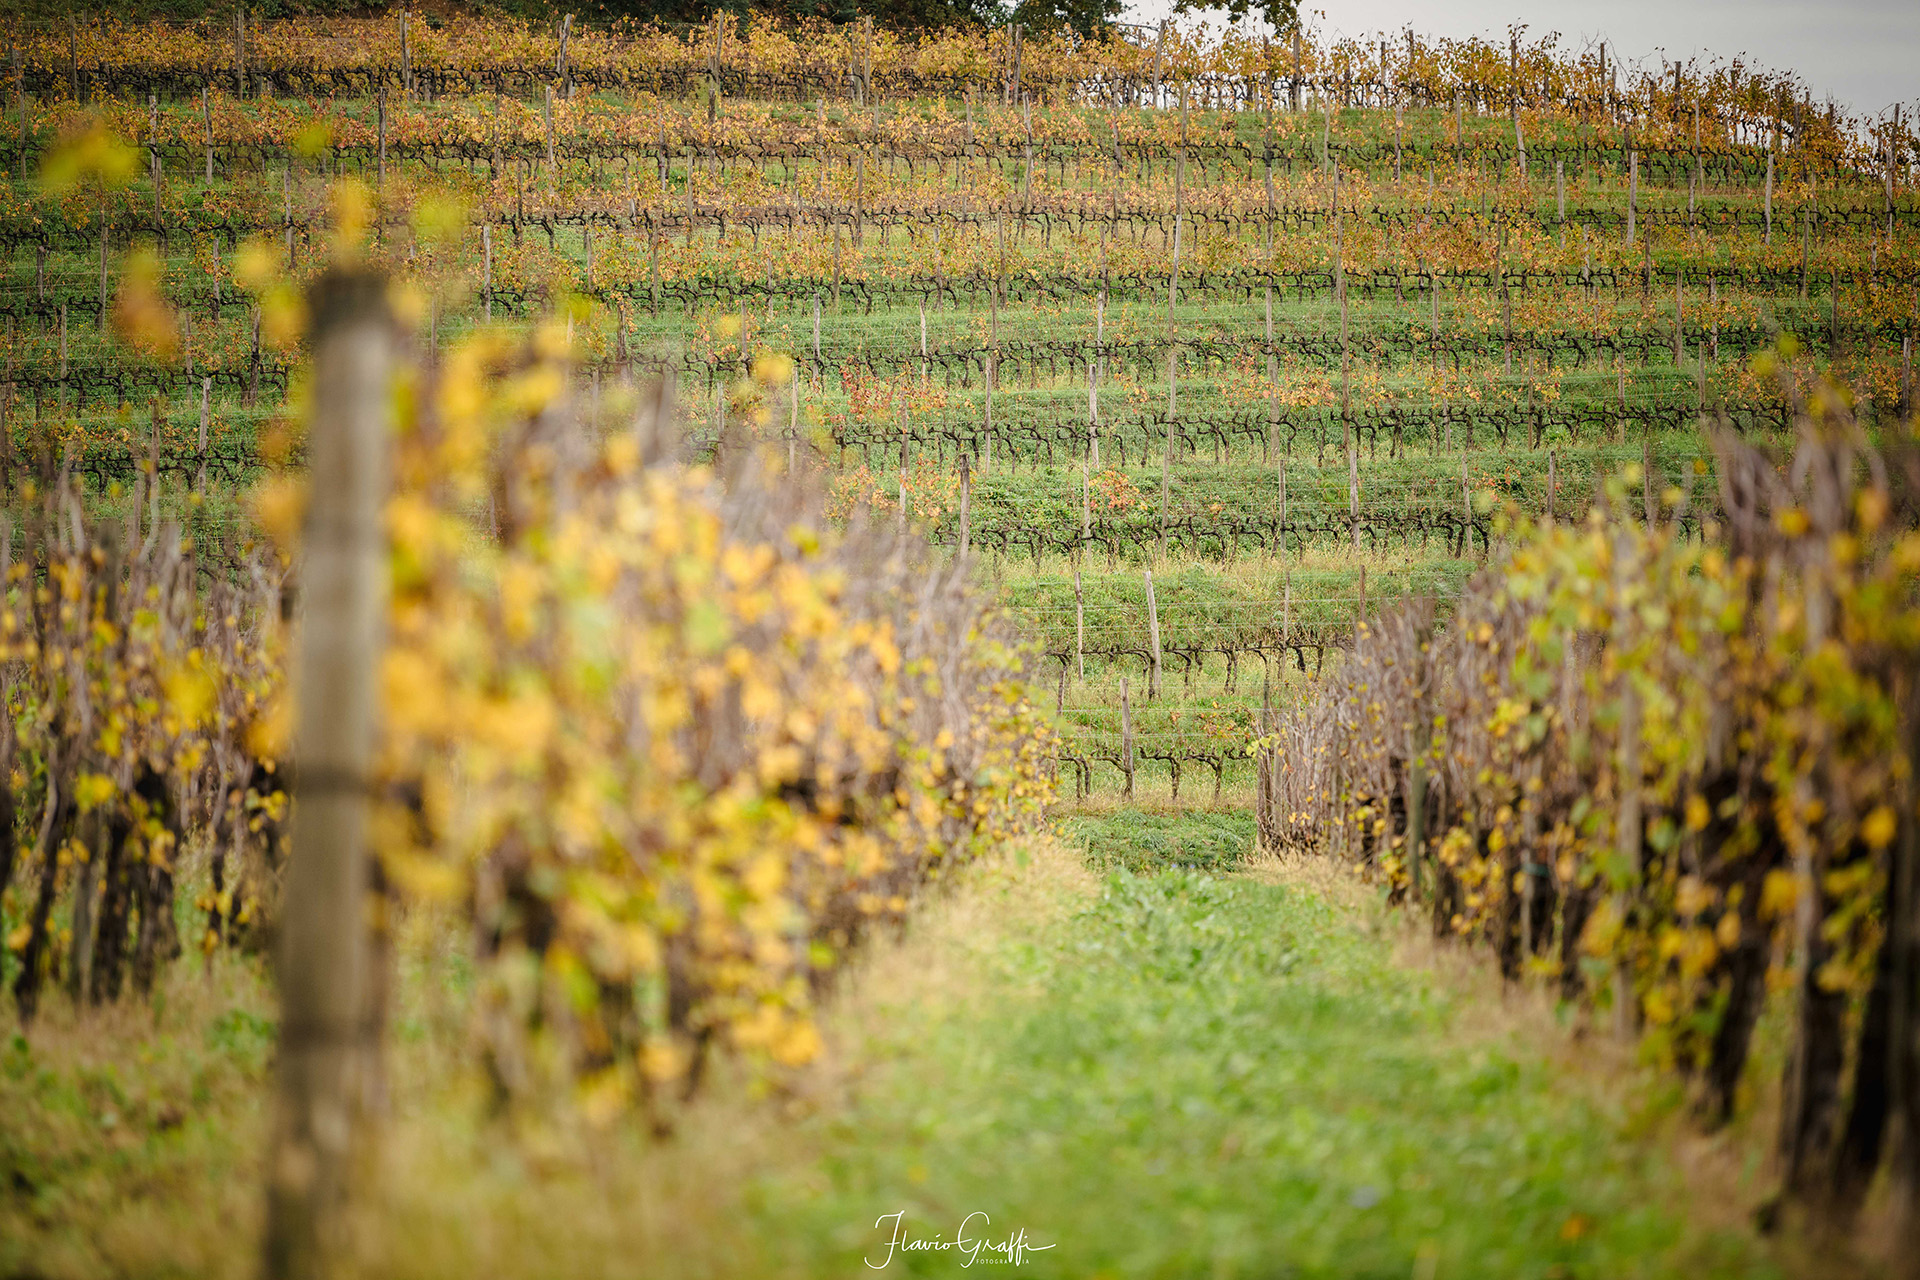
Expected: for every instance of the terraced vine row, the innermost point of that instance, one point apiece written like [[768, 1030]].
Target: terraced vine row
[[1282, 324]]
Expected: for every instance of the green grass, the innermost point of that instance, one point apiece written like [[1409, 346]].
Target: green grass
[[1165, 1072], [1205, 1076], [1129, 840]]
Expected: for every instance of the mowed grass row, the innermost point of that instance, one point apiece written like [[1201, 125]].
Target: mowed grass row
[[1148, 1057]]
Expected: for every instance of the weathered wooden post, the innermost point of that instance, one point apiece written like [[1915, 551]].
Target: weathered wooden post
[[329, 1042]]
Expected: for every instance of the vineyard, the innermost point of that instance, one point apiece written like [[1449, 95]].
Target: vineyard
[[1416, 443]]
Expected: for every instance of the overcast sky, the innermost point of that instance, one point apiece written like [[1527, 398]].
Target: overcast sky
[[1866, 53]]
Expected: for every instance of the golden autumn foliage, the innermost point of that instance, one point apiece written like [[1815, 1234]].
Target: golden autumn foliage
[[1655, 768], [660, 733]]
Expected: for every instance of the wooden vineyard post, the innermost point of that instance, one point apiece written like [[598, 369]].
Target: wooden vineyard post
[[380, 107], [206, 115], [1552, 486], [486, 270], [1079, 628], [1560, 197], [1768, 206], [1153, 636], [546, 115], [1126, 739], [1360, 603], [329, 1038], [1293, 85], [406, 56]]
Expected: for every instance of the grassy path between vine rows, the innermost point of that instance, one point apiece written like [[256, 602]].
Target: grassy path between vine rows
[[1151, 1061], [1161, 1072]]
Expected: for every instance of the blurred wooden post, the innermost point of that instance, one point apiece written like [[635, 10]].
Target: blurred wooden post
[[1126, 739], [1768, 206], [1153, 634], [1560, 195], [1553, 486], [1293, 85], [329, 1043], [546, 111]]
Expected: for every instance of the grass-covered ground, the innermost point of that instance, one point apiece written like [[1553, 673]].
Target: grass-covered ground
[[1150, 1070]]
